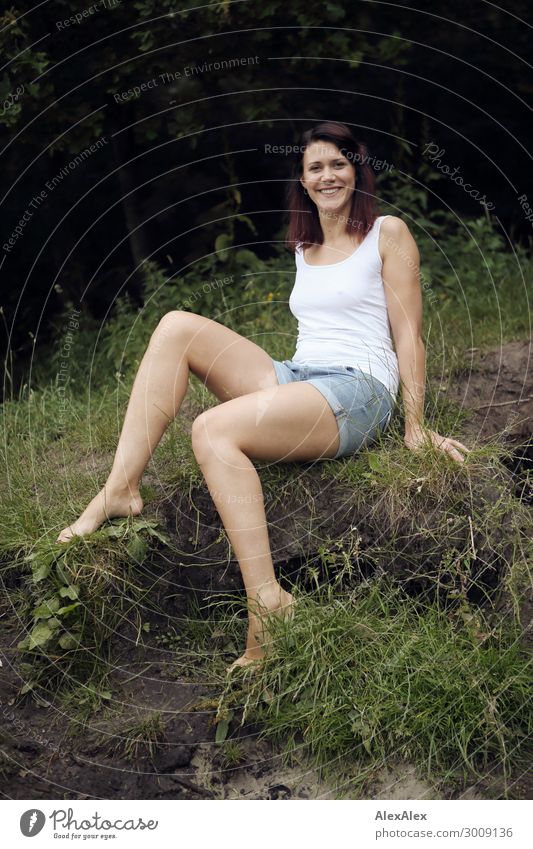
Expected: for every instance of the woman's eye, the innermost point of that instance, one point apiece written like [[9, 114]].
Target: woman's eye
[[337, 165]]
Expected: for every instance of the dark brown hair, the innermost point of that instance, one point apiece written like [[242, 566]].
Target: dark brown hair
[[304, 223]]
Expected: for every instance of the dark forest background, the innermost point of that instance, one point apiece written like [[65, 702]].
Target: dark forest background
[[182, 170]]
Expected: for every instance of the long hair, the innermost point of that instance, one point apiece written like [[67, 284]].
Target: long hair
[[304, 223]]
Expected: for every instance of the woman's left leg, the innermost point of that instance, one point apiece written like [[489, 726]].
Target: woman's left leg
[[291, 422]]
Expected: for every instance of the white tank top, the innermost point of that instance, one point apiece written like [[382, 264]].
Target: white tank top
[[342, 313]]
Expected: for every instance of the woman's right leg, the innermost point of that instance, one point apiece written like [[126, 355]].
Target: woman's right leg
[[229, 364]]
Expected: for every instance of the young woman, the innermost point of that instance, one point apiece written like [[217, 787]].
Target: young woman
[[356, 281]]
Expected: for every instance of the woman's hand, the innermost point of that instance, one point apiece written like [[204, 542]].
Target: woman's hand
[[420, 436]]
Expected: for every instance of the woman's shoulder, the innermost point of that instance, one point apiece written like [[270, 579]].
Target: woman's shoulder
[[397, 239], [393, 226]]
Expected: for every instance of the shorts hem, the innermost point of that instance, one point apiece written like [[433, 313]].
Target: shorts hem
[[338, 411], [280, 374], [347, 442]]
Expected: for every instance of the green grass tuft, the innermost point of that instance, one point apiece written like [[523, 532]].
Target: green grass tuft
[[359, 679]]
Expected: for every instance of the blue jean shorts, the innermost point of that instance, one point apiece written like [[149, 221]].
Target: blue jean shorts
[[362, 404]]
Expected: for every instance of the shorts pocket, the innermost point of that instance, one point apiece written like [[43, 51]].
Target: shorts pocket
[[379, 414]]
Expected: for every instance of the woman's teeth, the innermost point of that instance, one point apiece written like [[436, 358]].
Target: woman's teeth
[[330, 191]]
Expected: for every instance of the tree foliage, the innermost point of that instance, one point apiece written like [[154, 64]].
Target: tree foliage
[[184, 106]]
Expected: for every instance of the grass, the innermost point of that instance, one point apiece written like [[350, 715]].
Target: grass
[[358, 679], [75, 598], [486, 316], [232, 754], [434, 672], [140, 736]]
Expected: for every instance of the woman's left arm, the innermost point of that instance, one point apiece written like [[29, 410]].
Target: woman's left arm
[[401, 263]]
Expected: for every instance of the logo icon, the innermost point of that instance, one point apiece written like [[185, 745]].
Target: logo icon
[[32, 822]]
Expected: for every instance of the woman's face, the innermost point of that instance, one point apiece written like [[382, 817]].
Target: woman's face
[[328, 176]]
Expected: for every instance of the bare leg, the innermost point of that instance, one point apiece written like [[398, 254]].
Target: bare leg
[[291, 422], [235, 488], [156, 396], [181, 341], [272, 422]]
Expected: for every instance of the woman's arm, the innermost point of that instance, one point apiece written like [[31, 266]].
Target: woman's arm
[[404, 305], [401, 262]]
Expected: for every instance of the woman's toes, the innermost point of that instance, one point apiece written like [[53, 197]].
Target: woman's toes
[[241, 662], [65, 535], [99, 510]]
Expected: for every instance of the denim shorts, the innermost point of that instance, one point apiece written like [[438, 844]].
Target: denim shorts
[[362, 404]]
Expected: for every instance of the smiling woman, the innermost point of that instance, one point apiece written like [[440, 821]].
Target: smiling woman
[[335, 396], [332, 167], [333, 222]]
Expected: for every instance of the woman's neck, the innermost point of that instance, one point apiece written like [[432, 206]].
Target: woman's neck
[[333, 226]]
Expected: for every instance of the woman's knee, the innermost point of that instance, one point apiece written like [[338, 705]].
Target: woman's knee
[[208, 436], [173, 328], [175, 323]]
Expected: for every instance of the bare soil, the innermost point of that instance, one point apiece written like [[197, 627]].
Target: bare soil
[[44, 754]]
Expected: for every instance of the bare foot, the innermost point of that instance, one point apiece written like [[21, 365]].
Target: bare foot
[[107, 504], [258, 641]]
